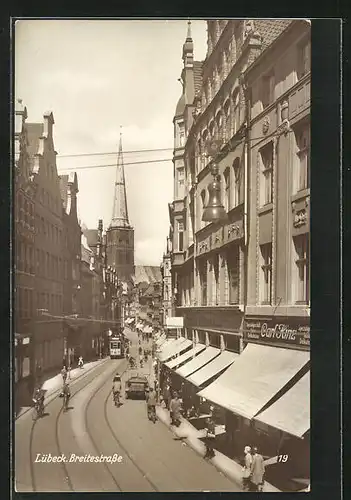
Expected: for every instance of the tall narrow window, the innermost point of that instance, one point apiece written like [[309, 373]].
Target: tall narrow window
[[227, 119], [216, 279], [302, 170], [238, 184], [212, 130], [227, 189], [180, 236], [268, 88], [203, 202], [266, 185], [266, 274], [203, 281], [233, 273], [236, 111], [304, 58], [302, 269], [181, 179]]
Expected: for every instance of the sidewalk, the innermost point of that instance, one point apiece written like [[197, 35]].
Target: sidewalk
[[190, 435], [53, 385]]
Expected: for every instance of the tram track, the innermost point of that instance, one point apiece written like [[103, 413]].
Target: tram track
[[64, 467], [35, 422], [144, 474]]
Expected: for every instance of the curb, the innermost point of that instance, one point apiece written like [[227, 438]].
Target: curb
[[52, 395], [199, 448]]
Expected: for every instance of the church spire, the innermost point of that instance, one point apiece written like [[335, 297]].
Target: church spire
[[120, 211], [188, 48], [188, 37]]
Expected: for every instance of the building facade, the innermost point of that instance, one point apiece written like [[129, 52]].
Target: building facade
[[242, 283], [167, 302], [51, 263], [72, 287], [24, 242]]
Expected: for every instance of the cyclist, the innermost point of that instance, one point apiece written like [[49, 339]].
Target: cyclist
[[38, 399], [66, 395], [116, 388]]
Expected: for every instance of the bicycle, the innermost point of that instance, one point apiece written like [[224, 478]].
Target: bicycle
[[116, 398], [38, 409], [65, 402]]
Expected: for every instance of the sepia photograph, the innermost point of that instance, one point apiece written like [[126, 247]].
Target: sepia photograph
[[161, 225]]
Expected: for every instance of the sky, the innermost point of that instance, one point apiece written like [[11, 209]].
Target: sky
[[96, 76]]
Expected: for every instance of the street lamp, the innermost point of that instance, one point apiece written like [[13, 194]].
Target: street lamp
[[215, 211]]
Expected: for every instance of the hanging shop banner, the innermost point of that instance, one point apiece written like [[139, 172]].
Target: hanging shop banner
[[282, 331]]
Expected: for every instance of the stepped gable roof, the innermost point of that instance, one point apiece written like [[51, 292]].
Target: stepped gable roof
[[63, 189], [34, 133]]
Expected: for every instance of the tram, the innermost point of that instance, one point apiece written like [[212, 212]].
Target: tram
[[116, 347]]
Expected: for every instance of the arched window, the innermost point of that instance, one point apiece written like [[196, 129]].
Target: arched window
[[238, 183], [219, 125], [227, 200], [236, 110], [212, 129], [227, 119]]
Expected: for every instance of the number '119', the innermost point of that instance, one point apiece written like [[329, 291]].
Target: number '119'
[[283, 458]]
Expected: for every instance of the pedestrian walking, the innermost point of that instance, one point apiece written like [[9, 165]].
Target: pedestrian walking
[[257, 471], [210, 437], [175, 407], [167, 395], [247, 468], [64, 374]]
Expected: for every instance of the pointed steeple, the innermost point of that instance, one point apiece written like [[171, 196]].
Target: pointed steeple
[[189, 37], [120, 211], [188, 49]]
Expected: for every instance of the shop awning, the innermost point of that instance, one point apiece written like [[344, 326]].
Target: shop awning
[[202, 359], [255, 378], [187, 355], [176, 347], [161, 345], [161, 339], [291, 413], [221, 362]]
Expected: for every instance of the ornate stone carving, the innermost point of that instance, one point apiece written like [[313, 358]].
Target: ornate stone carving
[[300, 217], [265, 125], [283, 128], [233, 229]]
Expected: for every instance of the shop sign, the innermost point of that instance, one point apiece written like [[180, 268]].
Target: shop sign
[[278, 331]]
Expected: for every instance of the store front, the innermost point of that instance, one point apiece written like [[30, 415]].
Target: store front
[[265, 395]]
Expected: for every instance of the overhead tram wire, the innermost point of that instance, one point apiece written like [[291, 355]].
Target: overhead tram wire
[[162, 160], [87, 167], [114, 152]]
